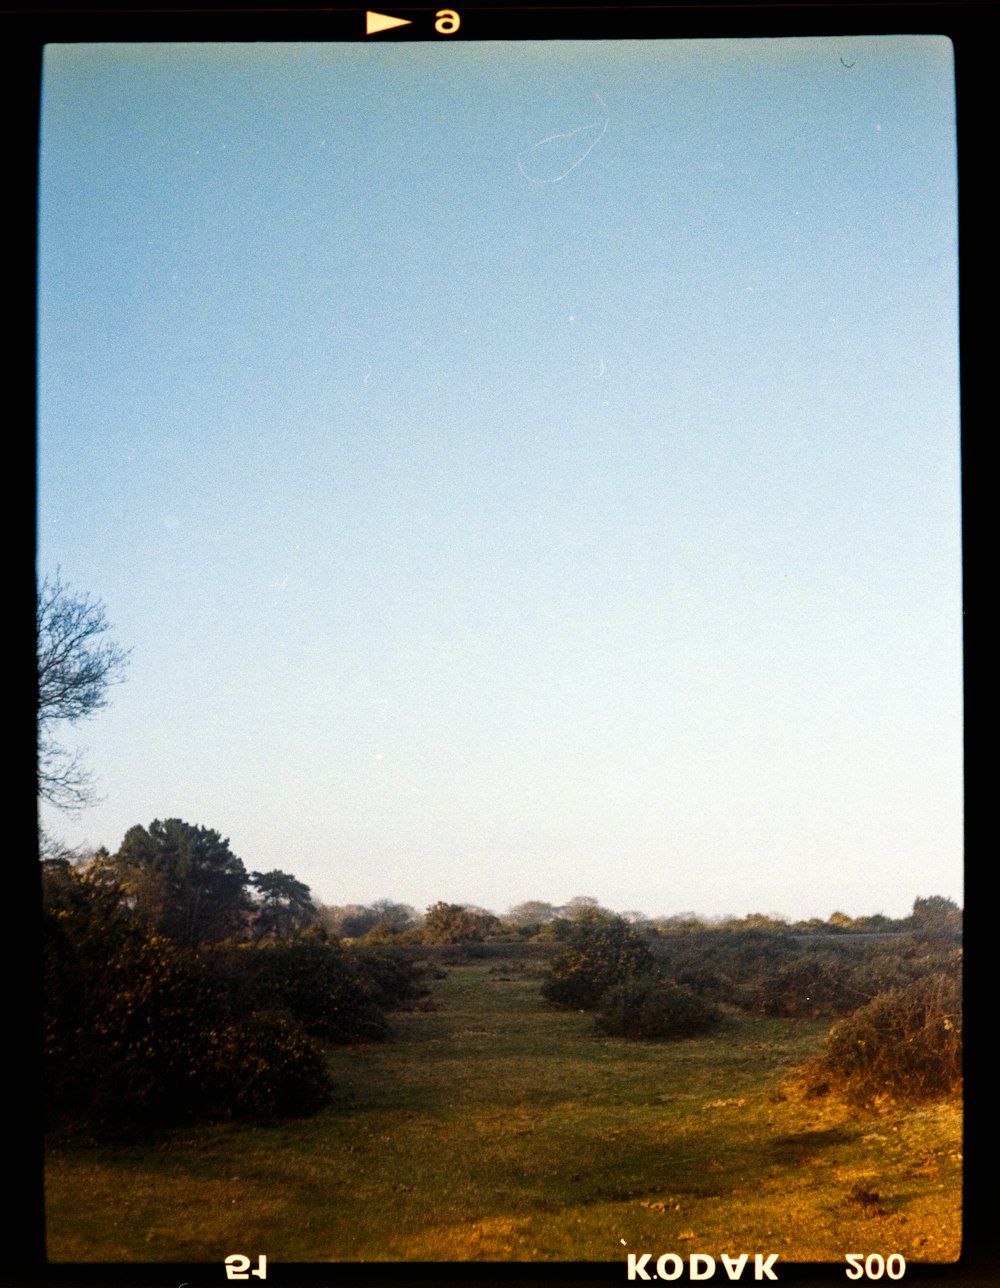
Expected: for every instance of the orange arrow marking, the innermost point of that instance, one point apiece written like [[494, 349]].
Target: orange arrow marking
[[382, 22]]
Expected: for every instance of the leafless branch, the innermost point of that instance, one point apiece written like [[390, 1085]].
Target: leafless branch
[[76, 665]]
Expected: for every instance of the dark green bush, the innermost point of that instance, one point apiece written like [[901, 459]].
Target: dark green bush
[[653, 1008], [601, 951], [282, 1071], [727, 966], [137, 1035], [310, 982], [391, 979], [904, 1045], [747, 960], [806, 985], [771, 973]]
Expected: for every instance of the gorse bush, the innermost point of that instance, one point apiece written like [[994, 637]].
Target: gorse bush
[[904, 1045], [601, 951], [653, 1008], [282, 1071], [727, 966], [610, 966], [138, 1034], [771, 973], [807, 985], [310, 982], [143, 1033], [390, 978]]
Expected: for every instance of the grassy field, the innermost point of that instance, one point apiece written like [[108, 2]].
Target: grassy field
[[495, 1129]]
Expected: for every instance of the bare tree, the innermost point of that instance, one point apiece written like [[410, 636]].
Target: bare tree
[[76, 664]]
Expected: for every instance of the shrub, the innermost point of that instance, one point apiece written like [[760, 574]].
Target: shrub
[[769, 973], [809, 984], [282, 1071], [308, 981], [731, 966], [904, 1045], [838, 980], [137, 1035], [937, 916], [899, 962], [391, 979], [454, 923], [601, 951], [649, 1007]]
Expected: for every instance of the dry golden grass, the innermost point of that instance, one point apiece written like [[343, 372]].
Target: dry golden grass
[[494, 1129]]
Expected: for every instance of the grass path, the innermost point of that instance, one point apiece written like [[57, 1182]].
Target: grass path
[[495, 1129]]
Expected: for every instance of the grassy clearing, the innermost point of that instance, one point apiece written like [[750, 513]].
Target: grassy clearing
[[494, 1129]]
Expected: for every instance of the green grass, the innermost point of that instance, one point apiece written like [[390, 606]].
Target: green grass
[[496, 1129]]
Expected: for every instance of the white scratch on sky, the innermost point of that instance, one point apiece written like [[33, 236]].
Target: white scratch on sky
[[553, 151]]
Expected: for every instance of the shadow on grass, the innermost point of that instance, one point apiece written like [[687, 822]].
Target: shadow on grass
[[794, 1148]]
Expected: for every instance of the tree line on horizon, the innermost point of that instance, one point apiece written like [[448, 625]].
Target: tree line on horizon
[[536, 919], [184, 881], [185, 878], [180, 986]]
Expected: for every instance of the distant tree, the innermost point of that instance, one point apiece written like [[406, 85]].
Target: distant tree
[[811, 926], [390, 919], [184, 881], [382, 919], [937, 915], [680, 923], [340, 919], [284, 905], [533, 912], [455, 923], [583, 906], [763, 921], [874, 923], [76, 666]]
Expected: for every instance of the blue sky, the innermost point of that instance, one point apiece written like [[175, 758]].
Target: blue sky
[[520, 470]]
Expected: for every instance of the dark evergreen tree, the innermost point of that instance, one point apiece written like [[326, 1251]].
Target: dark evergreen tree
[[184, 882], [284, 907]]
